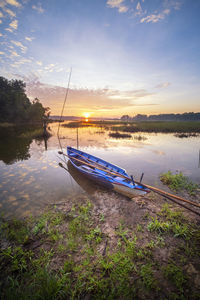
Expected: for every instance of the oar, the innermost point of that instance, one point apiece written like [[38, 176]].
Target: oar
[[156, 190], [181, 204]]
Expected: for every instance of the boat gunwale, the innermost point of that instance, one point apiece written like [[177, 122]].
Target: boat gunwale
[[103, 177]]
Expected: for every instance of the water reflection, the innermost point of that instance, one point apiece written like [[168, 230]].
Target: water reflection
[[30, 176], [86, 184], [13, 149]]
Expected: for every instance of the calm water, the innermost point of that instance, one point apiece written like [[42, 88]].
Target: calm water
[[30, 177]]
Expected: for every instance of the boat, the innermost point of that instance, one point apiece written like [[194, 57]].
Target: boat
[[105, 173]]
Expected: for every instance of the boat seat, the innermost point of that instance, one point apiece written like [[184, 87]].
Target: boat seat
[[119, 178], [73, 154], [100, 171], [85, 167]]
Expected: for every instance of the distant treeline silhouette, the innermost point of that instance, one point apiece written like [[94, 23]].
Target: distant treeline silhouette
[[191, 116], [15, 107]]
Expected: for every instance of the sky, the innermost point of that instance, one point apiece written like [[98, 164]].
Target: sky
[[127, 56]]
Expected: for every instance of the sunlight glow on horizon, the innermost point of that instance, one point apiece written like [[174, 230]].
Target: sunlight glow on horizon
[[86, 115]]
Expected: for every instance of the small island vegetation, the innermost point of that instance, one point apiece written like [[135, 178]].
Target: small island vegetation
[[180, 129]]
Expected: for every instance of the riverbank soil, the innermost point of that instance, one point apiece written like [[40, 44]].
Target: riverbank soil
[[103, 246]]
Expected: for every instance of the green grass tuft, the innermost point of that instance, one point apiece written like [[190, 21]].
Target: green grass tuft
[[178, 182]]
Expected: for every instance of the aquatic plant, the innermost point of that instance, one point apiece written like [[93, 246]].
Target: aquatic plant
[[178, 182]]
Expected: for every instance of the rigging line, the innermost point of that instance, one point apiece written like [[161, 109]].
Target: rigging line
[[66, 94]]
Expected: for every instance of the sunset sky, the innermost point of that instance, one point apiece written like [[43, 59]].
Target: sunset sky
[[127, 56]]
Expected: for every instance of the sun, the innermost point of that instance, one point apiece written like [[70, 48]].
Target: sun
[[86, 115]]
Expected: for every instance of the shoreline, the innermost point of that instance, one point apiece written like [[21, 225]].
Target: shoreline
[[113, 247]]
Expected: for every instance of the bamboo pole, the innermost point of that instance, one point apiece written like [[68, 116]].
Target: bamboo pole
[[156, 190]]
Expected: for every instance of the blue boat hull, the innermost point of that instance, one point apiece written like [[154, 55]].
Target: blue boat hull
[[104, 173]]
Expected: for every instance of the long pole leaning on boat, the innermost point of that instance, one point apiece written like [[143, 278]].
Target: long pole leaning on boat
[[156, 190], [66, 94], [61, 115]]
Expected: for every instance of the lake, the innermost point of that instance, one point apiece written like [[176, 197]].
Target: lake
[[30, 177]]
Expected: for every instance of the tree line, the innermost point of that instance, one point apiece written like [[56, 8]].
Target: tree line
[[191, 116], [15, 106]]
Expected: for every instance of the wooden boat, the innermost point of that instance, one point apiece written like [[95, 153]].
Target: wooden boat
[[105, 173]]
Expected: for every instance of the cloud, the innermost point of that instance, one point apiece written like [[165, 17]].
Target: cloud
[[118, 4], [50, 66], [13, 26], [138, 7], [2, 53], [175, 4], [21, 61], [163, 85], [38, 8], [1, 34], [10, 12], [154, 18], [139, 10], [39, 63], [14, 53], [29, 38], [20, 45], [1, 15], [13, 2], [85, 99]]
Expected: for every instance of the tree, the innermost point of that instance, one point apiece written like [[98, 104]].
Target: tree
[[125, 118], [15, 106]]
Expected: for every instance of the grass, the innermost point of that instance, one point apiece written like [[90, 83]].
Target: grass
[[68, 256], [119, 135], [155, 126], [178, 182], [77, 124], [160, 127]]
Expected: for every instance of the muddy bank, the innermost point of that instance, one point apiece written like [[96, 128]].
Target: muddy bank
[[102, 246]]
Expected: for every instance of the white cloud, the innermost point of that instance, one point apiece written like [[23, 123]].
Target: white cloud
[[163, 85], [139, 10], [50, 67], [1, 15], [13, 26], [118, 4], [176, 4], [21, 62], [39, 63], [1, 34], [20, 45], [38, 8], [14, 53], [29, 38], [10, 12], [154, 18], [2, 53], [138, 7], [13, 2]]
